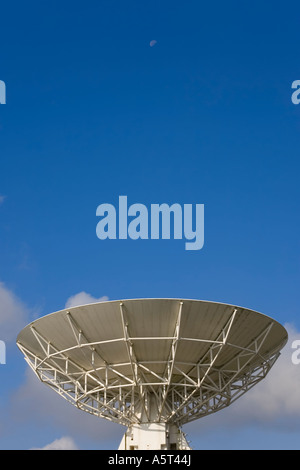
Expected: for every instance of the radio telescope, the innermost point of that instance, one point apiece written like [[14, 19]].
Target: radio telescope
[[152, 365]]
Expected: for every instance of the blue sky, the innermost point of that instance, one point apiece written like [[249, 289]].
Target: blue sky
[[203, 117]]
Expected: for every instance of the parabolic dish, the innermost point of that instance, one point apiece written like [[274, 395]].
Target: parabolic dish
[[188, 358]]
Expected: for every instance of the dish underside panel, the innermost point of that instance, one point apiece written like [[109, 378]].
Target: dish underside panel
[[141, 360]]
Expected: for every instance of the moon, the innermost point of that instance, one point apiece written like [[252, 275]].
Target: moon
[[152, 43]]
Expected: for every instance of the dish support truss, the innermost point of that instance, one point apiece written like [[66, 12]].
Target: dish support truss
[[172, 398]]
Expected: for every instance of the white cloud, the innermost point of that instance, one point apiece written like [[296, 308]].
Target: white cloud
[[2, 198], [13, 314], [83, 298], [64, 443]]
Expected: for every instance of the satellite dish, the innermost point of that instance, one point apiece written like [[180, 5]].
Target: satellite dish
[[152, 365]]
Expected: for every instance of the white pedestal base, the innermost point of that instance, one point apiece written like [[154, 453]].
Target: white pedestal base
[[154, 436]]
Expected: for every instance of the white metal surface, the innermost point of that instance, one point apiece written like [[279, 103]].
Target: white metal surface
[[152, 360], [154, 436]]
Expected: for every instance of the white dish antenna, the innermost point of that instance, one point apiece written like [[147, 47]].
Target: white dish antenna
[[152, 365]]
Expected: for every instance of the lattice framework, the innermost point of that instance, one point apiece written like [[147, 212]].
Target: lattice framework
[[180, 397]]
